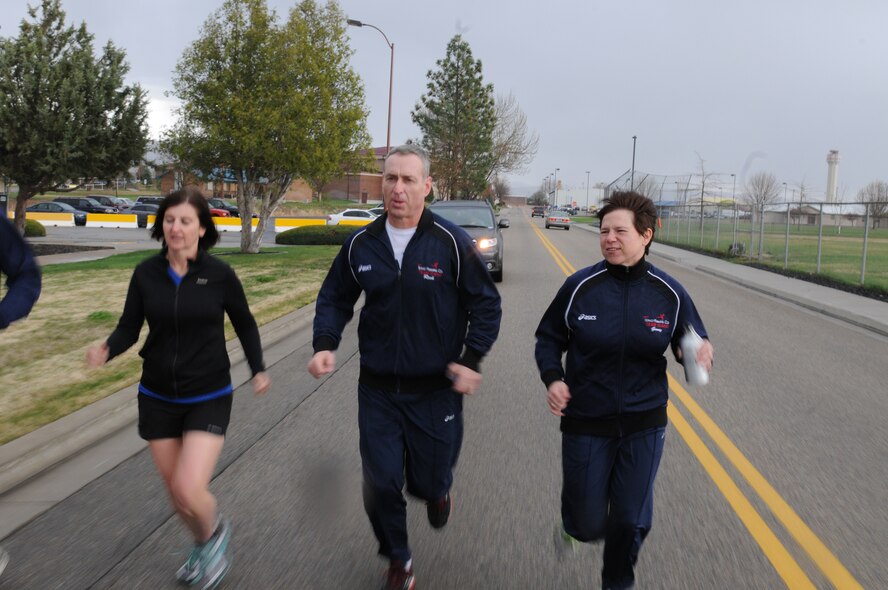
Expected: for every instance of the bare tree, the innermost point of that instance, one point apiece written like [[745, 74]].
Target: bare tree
[[514, 146], [761, 189], [501, 188], [538, 197], [875, 195]]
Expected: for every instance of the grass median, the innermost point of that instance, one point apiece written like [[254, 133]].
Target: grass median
[[43, 375]]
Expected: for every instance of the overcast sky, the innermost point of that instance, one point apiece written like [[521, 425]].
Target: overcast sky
[[746, 86]]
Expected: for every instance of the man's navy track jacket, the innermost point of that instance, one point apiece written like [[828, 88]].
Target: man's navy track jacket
[[615, 323], [417, 318], [22, 275]]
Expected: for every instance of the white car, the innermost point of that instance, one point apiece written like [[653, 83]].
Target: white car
[[351, 217]]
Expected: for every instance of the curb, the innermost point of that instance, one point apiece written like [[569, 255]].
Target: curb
[[49, 445]]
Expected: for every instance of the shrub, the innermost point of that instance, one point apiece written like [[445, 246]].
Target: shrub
[[34, 229], [316, 235]]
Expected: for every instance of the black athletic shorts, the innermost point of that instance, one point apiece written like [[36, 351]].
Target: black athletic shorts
[[161, 419]]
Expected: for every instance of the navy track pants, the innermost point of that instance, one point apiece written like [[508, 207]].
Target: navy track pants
[[608, 494], [417, 435]]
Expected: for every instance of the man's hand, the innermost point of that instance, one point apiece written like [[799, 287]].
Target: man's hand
[[557, 397], [465, 380], [322, 363]]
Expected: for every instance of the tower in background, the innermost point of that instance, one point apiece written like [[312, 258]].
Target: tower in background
[[832, 160]]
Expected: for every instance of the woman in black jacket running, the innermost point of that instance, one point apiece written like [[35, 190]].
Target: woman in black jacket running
[[185, 391]]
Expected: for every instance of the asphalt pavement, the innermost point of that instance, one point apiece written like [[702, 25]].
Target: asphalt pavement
[[43, 468]]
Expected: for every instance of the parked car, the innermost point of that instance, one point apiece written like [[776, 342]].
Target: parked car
[[149, 200], [351, 215], [538, 212], [219, 212], [53, 207], [85, 204], [142, 211], [123, 202], [217, 203], [479, 221], [378, 211], [107, 201], [558, 219]]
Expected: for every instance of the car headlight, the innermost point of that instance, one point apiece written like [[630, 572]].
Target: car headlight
[[486, 243]]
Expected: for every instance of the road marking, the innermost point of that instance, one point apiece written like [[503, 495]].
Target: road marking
[[831, 567], [787, 567]]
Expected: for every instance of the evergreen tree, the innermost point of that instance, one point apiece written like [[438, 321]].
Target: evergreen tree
[[457, 117], [64, 113], [269, 103]]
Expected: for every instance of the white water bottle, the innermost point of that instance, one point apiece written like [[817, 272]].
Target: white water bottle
[[690, 344]]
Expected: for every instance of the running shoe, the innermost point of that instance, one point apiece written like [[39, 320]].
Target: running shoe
[[190, 572], [219, 541], [439, 511], [566, 546], [214, 571], [399, 577]]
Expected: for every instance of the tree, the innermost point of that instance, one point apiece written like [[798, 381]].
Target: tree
[[875, 195], [761, 189], [514, 147], [457, 117], [64, 113], [501, 188], [269, 103], [538, 197]]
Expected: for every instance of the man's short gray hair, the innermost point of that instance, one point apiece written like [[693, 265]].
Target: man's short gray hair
[[412, 149]]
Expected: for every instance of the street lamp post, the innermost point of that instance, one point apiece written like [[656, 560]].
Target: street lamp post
[[632, 176], [734, 203], [587, 192], [556, 186], [388, 131]]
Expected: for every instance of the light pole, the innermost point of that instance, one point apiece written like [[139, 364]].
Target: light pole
[[388, 131], [734, 203], [632, 177], [556, 186], [587, 192]]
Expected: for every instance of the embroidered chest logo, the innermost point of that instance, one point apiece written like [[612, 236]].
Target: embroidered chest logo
[[365, 268], [430, 272], [201, 281], [587, 317], [657, 323]]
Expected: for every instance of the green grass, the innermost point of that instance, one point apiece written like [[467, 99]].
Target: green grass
[[42, 360], [840, 258]]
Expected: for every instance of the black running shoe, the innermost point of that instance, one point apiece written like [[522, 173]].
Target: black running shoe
[[439, 511]]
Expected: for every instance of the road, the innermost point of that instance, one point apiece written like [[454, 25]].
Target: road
[[796, 402]]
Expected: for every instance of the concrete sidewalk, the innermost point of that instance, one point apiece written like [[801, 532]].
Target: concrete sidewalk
[[42, 468]]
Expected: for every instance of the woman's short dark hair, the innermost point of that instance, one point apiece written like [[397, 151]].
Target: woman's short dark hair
[[195, 198], [642, 208]]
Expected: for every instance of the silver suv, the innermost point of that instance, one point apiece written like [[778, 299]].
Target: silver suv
[[479, 221]]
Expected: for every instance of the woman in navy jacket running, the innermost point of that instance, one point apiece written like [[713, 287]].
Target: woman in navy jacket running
[[615, 320]]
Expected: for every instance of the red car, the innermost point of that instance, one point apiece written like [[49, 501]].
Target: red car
[[219, 212]]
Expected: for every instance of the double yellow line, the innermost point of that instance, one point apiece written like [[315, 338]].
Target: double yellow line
[[784, 563]]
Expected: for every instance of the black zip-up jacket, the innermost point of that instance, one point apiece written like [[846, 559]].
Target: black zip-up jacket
[[615, 323], [22, 275], [440, 306], [184, 353]]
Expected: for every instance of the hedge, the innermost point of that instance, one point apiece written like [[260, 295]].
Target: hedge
[[34, 229], [316, 235]]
